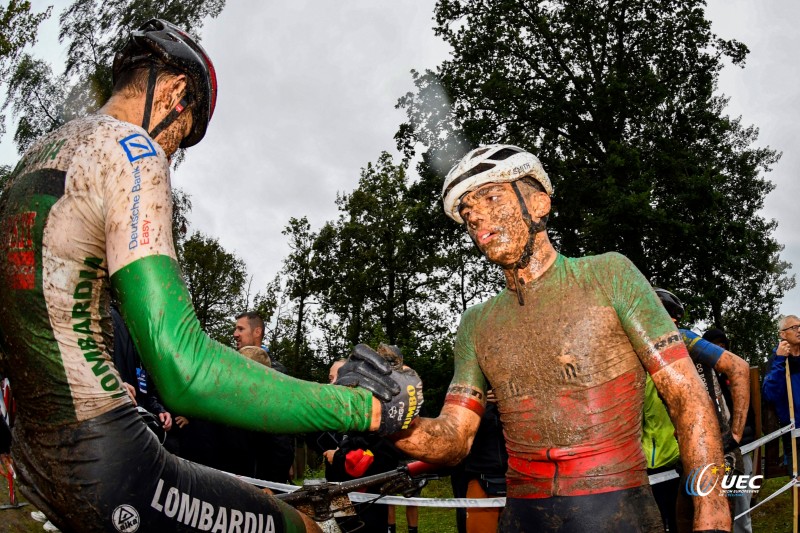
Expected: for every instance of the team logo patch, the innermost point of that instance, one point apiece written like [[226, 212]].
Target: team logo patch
[[125, 519], [137, 146]]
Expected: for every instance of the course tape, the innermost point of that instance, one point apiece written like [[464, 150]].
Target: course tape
[[792, 483], [747, 448], [363, 497], [672, 474]]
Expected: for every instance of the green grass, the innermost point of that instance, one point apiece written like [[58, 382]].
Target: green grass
[[432, 519], [775, 516]]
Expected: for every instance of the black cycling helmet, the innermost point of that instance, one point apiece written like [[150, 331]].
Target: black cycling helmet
[[159, 43], [671, 302]]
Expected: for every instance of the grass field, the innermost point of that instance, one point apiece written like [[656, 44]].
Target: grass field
[[432, 519]]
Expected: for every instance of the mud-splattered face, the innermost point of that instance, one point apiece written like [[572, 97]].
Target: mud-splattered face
[[494, 221], [170, 139], [168, 94]]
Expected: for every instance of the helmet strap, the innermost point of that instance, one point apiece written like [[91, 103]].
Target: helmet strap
[[148, 101], [527, 252], [171, 117]]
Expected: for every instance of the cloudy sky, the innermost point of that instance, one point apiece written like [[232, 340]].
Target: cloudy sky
[[307, 95]]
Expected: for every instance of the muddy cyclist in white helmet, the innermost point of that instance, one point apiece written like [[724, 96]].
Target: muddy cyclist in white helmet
[[499, 163], [567, 366]]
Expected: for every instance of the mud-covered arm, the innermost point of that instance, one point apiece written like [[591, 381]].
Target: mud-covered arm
[[733, 366], [738, 372], [195, 375], [698, 436], [663, 354], [448, 438]]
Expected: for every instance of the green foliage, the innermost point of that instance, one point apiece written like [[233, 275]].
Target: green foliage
[[373, 282], [215, 279], [181, 206], [18, 28], [92, 30], [618, 100], [37, 97], [299, 286], [387, 270]]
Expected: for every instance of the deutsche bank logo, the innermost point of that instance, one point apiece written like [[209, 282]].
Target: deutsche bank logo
[[137, 146]]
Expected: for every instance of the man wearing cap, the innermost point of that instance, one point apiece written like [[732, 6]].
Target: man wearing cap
[[566, 346], [88, 210]]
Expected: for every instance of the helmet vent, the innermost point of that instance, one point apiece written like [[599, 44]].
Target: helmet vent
[[505, 153], [483, 167], [479, 152]]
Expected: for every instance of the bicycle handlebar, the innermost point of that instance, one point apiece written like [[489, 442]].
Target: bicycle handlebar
[[321, 499]]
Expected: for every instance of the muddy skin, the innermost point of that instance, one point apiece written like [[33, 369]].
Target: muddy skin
[[444, 440], [171, 138], [567, 366], [698, 436], [738, 371]]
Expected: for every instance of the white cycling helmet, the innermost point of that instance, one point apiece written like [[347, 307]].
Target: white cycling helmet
[[494, 163]]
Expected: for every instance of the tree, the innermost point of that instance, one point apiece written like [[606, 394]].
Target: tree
[[38, 97], [181, 206], [92, 30], [299, 287], [215, 279], [18, 28], [466, 277], [618, 100], [369, 265]]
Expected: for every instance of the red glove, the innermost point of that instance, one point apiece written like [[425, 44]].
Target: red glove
[[356, 462]]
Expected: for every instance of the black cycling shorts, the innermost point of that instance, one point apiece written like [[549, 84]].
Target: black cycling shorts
[[111, 474], [629, 510]]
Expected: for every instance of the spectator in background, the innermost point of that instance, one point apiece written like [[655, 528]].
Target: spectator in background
[[710, 359], [265, 456], [249, 330], [259, 355], [136, 377], [774, 386], [253, 453], [6, 414], [359, 455], [326, 443], [661, 453]]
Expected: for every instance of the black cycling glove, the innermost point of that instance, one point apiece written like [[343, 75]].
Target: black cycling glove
[[398, 387]]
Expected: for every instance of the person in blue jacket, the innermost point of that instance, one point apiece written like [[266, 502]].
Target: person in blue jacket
[[774, 387]]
